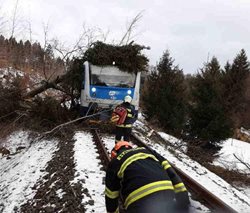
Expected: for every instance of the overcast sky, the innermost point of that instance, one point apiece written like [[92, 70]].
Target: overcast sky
[[192, 30]]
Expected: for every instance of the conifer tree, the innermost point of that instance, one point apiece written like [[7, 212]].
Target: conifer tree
[[149, 97], [209, 120], [165, 99], [235, 85]]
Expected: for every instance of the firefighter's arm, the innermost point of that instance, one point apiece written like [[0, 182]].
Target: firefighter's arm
[[180, 190], [111, 190], [133, 113], [181, 193]]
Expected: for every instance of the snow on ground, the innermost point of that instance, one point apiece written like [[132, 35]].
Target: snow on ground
[[226, 156], [88, 168], [8, 75], [209, 180], [231, 150], [18, 139], [22, 171]]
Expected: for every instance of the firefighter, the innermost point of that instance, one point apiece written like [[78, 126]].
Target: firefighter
[[144, 181], [124, 129]]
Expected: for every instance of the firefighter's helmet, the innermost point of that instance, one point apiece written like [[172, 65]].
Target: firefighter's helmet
[[118, 146], [127, 99]]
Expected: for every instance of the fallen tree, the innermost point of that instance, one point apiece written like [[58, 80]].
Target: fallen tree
[[127, 57], [45, 85]]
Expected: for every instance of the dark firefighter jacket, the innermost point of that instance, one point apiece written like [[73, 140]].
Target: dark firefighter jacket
[[131, 115], [136, 173]]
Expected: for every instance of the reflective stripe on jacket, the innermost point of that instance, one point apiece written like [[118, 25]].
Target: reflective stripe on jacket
[[147, 190], [137, 173]]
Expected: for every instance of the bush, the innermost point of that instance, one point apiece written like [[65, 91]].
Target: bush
[[47, 113], [10, 99]]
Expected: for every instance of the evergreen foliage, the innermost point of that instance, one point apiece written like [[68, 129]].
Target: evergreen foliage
[[209, 120], [127, 57], [48, 112], [29, 57], [235, 86], [164, 98], [10, 98], [149, 96], [72, 82]]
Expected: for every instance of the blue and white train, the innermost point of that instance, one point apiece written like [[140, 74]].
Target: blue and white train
[[105, 87]]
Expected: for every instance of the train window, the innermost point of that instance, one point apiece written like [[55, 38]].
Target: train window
[[111, 76]]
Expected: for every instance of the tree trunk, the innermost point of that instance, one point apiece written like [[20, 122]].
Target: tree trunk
[[46, 85]]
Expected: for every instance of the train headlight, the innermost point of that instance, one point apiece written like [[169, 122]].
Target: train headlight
[[93, 89], [129, 92]]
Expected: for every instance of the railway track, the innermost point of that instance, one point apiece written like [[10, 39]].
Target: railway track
[[214, 203]]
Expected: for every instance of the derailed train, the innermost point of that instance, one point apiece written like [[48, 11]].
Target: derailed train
[[104, 87]]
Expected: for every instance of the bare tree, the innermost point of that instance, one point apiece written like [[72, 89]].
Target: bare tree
[[28, 59], [17, 22], [2, 22], [45, 45], [30, 31], [87, 37], [128, 36], [14, 19]]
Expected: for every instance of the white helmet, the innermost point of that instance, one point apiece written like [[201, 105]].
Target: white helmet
[[127, 99]]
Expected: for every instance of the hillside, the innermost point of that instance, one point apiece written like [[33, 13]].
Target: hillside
[[33, 58]]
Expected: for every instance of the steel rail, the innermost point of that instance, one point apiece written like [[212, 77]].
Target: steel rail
[[104, 156], [213, 202], [210, 199]]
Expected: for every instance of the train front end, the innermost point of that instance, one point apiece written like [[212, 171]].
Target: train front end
[[104, 87]]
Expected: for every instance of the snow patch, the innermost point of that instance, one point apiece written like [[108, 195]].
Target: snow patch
[[21, 172], [89, 172], [231, 150], [207, 179]]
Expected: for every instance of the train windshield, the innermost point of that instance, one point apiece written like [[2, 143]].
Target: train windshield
[[111, 76]]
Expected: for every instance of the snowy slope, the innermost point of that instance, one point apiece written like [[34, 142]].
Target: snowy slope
[[230, 195], [23, 170], [20, 172], [232, 154], [8, 75]]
